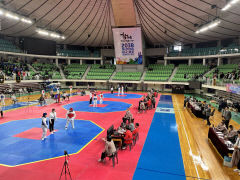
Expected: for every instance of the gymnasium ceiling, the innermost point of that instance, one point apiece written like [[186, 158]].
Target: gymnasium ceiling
[[89, 22]]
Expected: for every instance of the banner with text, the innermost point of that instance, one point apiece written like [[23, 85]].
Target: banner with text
[[128, 45], [233, 88]]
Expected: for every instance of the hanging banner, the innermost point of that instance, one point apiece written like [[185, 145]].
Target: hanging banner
[[233, 88], [128, 45]]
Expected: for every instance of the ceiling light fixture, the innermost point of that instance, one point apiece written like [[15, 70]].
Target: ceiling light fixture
[[28, 21], [50, 34], [11, 16], [15, 16], [208, 26], [229, 4]]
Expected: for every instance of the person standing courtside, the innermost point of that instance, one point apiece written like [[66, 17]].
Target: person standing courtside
[[119, 90], [227, 116], [1, 110], [44, 126], [122, 90], [2, 99], [90, 97], [70, 117], [208, 114], [111, 90], [52, 119]]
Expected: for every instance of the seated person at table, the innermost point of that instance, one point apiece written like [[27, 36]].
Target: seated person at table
[[135, 131], [236, 154], [64, 95], [109, 149], [231, 134], [149, 104], [128, 138], [131, 125], [141, 106], [221, 128], [121, 129], [124, 123], [128, 115], [14, 99]]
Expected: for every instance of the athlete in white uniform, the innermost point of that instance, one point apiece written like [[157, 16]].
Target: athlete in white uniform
[[2, 99], [57, 90], [122, 90], [119, 90], [101, 98], [70, 89], [43, 93], [70, 117], [44, 126], [111, 90], [95, 100]]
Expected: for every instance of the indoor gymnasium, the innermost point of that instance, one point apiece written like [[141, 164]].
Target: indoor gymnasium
[[119, 89]]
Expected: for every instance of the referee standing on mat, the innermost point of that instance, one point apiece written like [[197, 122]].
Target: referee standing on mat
[[52, 119]]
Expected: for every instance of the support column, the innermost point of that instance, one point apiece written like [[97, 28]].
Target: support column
[[94, 61], [219, 42], [101, 62], [194, 45], [80, 61], [69, 61], [219, 61], [189, 62], [56, 62], [204, 61], [165, 62]]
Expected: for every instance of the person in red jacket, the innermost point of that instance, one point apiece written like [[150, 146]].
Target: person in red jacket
[[149, 104], [135, 131], [128, 138]]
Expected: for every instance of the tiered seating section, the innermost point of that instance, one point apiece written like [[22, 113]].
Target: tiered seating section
[[8, 46], [226, 69], [99, 72], [78, 53], [75, 71], [158, 72], [189, 71], [231, 49], [47, 70], [127, 76]]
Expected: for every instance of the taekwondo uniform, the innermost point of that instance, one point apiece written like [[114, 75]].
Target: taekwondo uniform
[[2, 99], [101, 98], [70, 117], [119, 90], [44, 127], [95, 100], [70, 90], [122, 90]]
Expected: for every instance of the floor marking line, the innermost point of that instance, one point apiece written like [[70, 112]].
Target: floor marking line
[[162, 172], [186, 137]]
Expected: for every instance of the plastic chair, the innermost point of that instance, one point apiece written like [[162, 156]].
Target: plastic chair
[[115, 155], [135, 139]]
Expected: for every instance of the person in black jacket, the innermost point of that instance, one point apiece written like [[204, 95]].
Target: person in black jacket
[[227, 116]]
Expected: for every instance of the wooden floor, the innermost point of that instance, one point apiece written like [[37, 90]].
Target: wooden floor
[[200, 158]]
